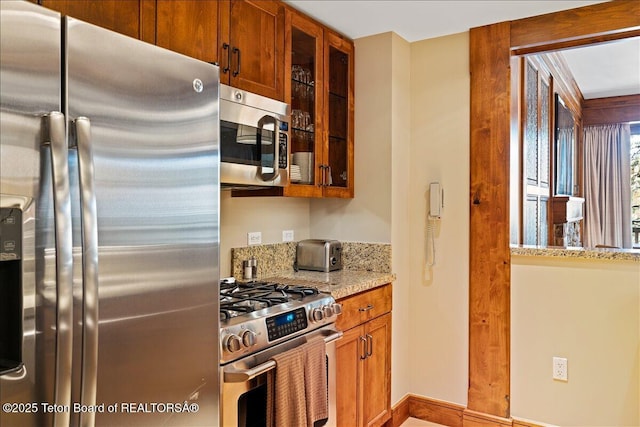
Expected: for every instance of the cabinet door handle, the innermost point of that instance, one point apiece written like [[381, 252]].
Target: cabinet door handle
[[237, 71], [225, 46], [369, 345], [321, 183], [367, 308], [363, 355]]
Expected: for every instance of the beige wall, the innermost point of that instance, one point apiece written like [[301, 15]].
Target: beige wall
[[400, 225], [588, 312], [269, 215], [379, 213], [440, 152], [367, 217]]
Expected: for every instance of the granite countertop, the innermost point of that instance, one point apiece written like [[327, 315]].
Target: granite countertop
[[339, 284], [365, 266], [581, 253]]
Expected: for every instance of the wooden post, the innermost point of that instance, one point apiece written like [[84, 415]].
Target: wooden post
[[490, 257]]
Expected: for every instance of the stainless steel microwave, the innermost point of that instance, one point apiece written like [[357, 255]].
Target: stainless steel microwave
[[254, 140]]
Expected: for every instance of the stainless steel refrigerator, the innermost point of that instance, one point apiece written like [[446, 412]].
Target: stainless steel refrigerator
[[109, 228]]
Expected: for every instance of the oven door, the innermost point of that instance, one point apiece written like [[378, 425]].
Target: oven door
[[253, 140], [245, 382]]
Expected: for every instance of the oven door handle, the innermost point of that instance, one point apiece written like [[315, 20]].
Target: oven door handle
[[243, 375]]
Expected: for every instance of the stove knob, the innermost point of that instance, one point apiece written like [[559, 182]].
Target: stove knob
[[232, 343], [316, 314], [248, 338], [327, 311], [337, 308]]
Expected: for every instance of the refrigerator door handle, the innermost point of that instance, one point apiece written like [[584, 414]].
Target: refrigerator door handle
[[64, 263], [89, 270]]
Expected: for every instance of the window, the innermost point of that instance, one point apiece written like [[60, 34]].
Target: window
[[635, 184]]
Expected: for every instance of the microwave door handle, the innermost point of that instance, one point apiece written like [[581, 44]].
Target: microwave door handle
[[268, 173]]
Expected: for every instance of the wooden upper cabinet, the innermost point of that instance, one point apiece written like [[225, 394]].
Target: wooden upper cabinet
[[319, 86], [133, 18], [339, 112], [251, 46], [189, 27], [304, 82]]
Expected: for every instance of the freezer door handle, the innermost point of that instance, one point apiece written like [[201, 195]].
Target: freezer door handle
[[89, 269], [64, 263]]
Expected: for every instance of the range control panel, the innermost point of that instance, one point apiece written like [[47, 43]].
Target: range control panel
[[258, 330], [286, 324]]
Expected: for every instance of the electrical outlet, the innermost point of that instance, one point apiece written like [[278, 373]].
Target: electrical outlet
[[254, 238], [560, 367], [287, 235]]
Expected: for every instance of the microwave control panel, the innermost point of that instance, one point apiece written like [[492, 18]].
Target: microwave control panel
[[283, 146], [10, 234]]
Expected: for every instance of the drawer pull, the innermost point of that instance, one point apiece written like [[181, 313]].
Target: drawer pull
[[367, 308]]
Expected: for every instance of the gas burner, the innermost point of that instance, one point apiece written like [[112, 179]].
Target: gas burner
[[238, 298]]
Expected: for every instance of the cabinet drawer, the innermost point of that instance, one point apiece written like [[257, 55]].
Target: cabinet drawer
[[359, 308]]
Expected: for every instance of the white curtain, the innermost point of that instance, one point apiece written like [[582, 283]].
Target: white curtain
[[565, 168], [607, 185]]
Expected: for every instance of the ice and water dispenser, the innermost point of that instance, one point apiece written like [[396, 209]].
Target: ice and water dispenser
[[10, 289]]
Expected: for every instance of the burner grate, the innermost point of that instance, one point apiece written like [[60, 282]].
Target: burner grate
[[238, 298]]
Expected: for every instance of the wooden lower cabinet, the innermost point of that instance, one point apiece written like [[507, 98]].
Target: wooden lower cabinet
[[363, 364]]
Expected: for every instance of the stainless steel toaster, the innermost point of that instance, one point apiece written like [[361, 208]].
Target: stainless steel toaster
[[319, 255]]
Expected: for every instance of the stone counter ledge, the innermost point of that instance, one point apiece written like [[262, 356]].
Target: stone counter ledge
[[581, 253]]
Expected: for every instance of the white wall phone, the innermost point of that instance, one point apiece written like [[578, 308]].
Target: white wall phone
[[436, 205], [436, 200]]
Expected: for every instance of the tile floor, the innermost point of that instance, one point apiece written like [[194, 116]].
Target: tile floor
[[414, 422]]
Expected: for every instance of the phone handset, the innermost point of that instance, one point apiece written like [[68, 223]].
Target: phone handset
[[436, 200], [436, 205]]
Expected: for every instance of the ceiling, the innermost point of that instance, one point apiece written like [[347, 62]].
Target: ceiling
[[617, 69], [617, 73]]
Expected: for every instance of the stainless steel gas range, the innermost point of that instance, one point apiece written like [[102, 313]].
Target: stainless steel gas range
[[259, 320]]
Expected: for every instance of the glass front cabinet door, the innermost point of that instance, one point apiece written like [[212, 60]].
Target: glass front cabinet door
[[320, 92], [338, 168]]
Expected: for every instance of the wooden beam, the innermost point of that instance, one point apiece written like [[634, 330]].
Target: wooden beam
[[590, 24], [490, 257], [617, 109]]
